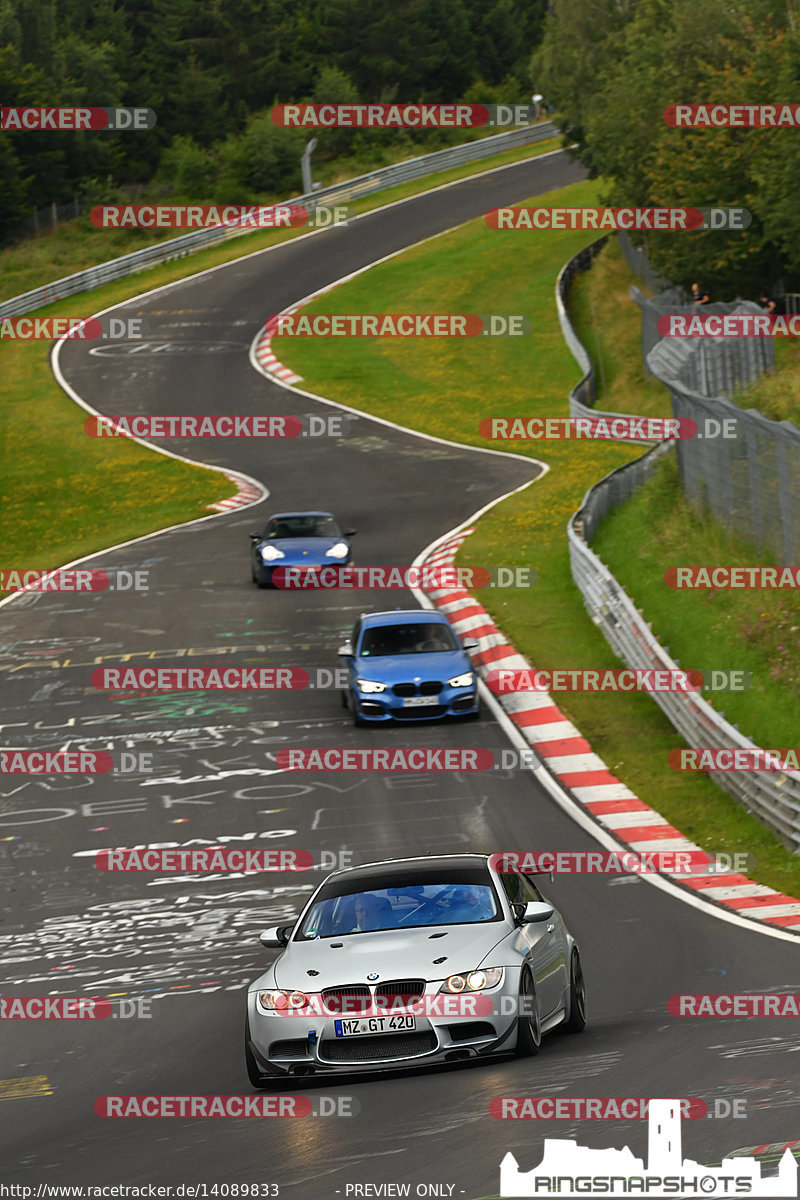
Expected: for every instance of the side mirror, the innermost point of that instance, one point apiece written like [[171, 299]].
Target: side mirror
[[276, 937], [470, 645], [346, 650], [255, 537], [536, 911], [350, 532]]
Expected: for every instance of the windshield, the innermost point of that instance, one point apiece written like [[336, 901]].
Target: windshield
[[406, 907], [421, 637], [302, 526]]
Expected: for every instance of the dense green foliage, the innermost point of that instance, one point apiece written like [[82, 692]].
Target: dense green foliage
[[612, 66], [213, 69]]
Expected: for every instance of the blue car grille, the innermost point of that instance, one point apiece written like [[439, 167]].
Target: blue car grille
[[429, 687]]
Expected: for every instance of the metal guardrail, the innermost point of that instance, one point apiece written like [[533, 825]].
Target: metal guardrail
[[363, 185], [772, 797], [582, 395]]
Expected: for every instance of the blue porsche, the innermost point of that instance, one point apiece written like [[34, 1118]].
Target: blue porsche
[[306, 540], [407, 664]]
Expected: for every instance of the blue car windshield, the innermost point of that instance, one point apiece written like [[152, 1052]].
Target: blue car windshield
[[399, 908], [302, 526], [421, 637]]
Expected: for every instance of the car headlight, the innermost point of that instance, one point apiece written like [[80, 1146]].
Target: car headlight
[[464, 680], [369, 686], [340, 550], [475, 981], [282, 1001], [270, 553]]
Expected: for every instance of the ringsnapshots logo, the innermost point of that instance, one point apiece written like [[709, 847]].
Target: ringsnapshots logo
[[570, 1170], [26, 120], [401, 116], [209, 216], [670, 220], [398, 325]]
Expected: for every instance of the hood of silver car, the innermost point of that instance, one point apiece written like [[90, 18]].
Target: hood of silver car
[[377, 957]]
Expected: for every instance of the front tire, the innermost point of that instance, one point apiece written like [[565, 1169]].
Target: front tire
[[529, 1021], [577, 996]]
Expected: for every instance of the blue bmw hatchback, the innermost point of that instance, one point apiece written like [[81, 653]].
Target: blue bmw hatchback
[[307, 540], [407, 664]]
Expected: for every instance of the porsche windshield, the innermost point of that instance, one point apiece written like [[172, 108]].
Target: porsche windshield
[[418, 637], [405, 907], [312, 525]]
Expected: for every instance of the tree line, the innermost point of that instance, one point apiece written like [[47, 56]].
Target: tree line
[[213, 71]]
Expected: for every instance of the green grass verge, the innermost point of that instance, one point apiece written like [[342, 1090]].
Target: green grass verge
[[63, 494], [446, 388], [76, 245]]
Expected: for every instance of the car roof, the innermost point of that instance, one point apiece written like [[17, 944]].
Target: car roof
[[299, 513], [403, 616], [434, 862]]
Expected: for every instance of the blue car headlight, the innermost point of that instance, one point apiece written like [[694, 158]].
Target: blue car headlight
[[270, 553], [465, 680], [369, 686], [340, 550]]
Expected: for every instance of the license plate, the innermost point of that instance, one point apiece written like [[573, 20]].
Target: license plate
[[359, 1026], [420, 701]]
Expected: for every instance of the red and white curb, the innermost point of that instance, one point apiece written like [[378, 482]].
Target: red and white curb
[[569, 758], [249, 493], [263, 351]]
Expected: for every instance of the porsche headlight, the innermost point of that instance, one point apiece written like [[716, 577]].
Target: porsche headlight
[[369, 686], [464, 680], [340, 550], [270, 553], [475, 981]]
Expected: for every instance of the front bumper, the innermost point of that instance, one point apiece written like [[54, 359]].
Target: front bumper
[[264, 571], [284, 1044], [385, 706]]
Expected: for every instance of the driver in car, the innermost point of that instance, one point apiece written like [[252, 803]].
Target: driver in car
[[469, 904], [372, 912]]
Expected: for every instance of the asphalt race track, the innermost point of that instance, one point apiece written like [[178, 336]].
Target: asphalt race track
[[69, 929]]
